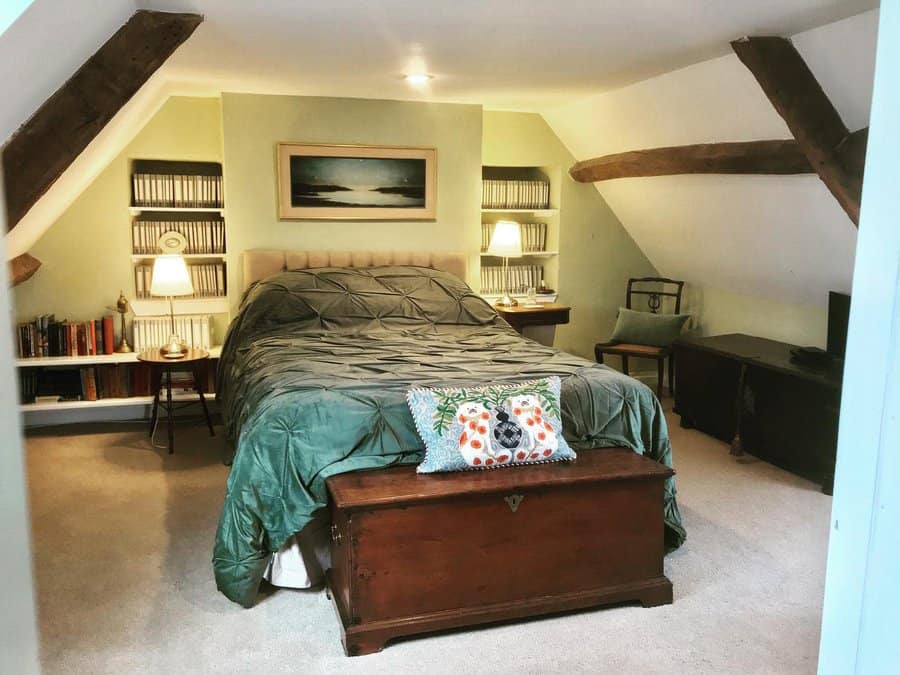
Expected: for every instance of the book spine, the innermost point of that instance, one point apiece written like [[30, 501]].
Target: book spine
[[91, 382], [108, 335]]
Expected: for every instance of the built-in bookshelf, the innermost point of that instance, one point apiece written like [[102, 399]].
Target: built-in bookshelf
[[60, 383], [521, 277], [70, 365], [176, 185], [530, 196], [188, 198]]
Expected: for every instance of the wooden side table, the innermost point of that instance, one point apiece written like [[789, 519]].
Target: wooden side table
[[197, 360], [538, 323]]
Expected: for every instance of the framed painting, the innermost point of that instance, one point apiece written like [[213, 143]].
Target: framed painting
[[356, 182]]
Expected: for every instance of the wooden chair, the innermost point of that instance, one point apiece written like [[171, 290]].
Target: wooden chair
[[655, 289]]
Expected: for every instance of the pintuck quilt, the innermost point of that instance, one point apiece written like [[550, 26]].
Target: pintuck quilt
[[313, 381]]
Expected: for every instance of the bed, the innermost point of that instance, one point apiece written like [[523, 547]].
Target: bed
[[313, 377]]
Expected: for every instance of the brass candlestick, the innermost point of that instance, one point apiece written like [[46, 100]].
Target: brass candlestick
[[122, 307]]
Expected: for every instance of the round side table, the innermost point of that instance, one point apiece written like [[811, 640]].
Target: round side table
[[197, 360]]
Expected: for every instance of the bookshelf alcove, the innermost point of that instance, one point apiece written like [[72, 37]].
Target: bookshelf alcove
[[186, 197], [530, 196]]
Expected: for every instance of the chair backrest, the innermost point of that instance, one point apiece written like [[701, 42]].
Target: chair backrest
[[655, 289]]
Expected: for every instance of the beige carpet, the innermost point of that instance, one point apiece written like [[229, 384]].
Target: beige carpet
[[123, 536]]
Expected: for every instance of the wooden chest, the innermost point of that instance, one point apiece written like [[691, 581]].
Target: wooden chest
[[417, 553]]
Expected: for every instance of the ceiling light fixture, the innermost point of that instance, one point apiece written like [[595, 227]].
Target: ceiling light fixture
[[417, 79]]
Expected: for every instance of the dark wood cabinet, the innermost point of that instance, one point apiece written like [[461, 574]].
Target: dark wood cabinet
[[748, 391]]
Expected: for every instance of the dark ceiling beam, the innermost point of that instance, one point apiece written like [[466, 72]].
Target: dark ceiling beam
[[22, 267], [749, 157], [44, 147], [852, 150], [799, 99]]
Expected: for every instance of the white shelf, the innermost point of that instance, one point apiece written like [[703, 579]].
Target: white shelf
[[145, 307], [105, 402], [537, 212], [186, 256], [175, 209], [99, 359], [531, 254]]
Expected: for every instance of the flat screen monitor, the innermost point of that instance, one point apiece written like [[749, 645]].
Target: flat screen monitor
[[838, 319]]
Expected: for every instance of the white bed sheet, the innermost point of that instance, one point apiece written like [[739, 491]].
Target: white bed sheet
[[302, 561]]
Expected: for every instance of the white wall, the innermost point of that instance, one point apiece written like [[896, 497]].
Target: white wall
[[782, 238], [18, 629], [862, 591]]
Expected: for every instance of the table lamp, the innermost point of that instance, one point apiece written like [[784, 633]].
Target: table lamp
[[171, 278], [506, 242]]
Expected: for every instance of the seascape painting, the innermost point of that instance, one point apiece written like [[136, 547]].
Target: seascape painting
[[362, 183], [357, 182]]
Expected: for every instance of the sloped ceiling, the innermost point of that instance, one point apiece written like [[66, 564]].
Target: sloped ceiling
[[499, 53], [783, 237], [45, 46], [38, 53], [795, 235]]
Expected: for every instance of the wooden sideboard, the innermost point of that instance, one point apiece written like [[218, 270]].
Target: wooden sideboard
[[748, 391]]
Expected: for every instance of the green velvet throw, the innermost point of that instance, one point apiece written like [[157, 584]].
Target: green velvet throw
[[313, 378]]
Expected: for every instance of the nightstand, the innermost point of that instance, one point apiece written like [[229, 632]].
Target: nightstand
[[195, 360], [536, 322]]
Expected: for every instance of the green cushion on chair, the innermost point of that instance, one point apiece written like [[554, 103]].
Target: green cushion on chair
[[646, 328]]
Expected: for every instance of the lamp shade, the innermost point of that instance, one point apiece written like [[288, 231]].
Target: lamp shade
[[506, 240], [170, 276]]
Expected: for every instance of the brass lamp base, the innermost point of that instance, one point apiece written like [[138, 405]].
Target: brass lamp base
[[507, 301], [174, 350]]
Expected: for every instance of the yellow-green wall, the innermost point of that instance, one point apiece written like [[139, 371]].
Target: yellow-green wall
[[86, 254], [718, 311], [596, 255], [253, 124]]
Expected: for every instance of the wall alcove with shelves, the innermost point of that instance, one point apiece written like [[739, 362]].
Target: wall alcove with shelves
[[186, 197], [529, 196]]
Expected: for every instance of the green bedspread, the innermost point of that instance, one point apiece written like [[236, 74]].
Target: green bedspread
[[313, 378]]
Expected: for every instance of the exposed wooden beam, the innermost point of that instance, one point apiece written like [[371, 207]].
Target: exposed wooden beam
[[769, 157], [852, 150], [38, 153], [22, 267], [812, 119]]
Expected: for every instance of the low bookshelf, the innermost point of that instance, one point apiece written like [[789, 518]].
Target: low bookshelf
[[113, 407]]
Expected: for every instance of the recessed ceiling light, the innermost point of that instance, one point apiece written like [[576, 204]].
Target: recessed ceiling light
[[417, 79]]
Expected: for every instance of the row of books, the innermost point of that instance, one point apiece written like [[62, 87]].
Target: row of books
[[514, 194], [208, 280], [45, 336], [521, 277], [176, 190], [203, 236], [92, 383], [154, 331], [534, 236]]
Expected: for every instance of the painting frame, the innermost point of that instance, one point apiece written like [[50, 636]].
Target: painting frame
[[289, 210]]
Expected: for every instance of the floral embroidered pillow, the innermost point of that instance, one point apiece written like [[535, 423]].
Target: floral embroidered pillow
[[489, 427]]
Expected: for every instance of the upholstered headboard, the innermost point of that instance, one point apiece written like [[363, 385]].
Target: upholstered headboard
[[260, 263]]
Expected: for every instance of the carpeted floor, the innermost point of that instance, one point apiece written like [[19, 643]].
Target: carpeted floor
[[123, 536]]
